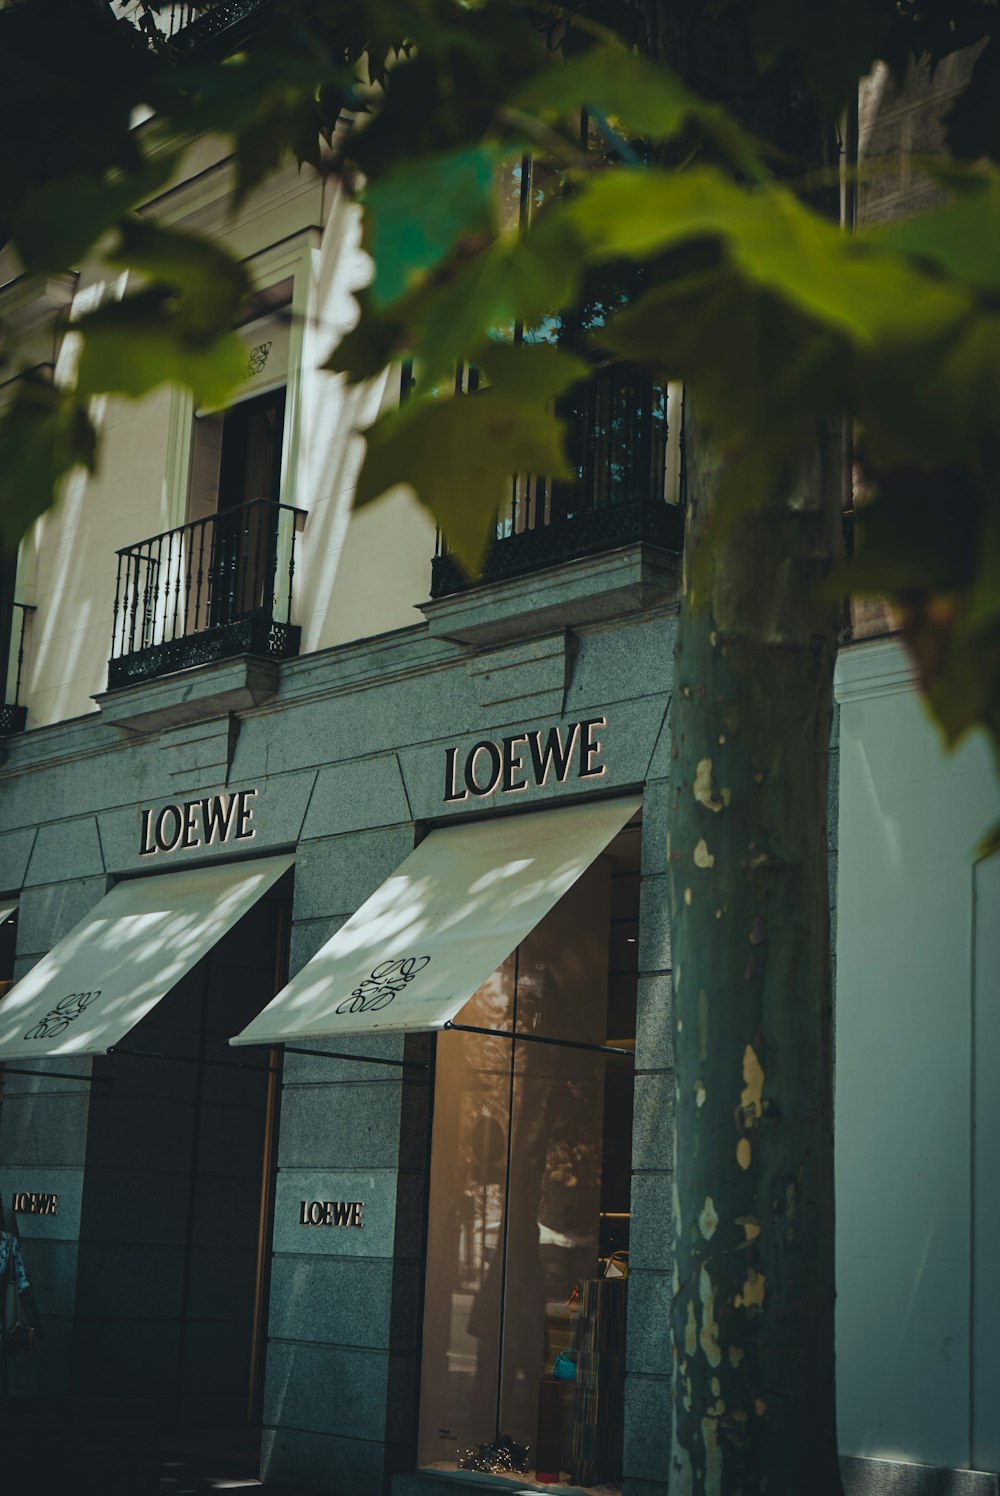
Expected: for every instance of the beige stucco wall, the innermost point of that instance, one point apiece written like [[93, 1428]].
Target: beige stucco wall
[[358, 574]]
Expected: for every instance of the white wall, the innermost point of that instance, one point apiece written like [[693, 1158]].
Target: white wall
[[986, 1231], [910, 818], [357, 574]]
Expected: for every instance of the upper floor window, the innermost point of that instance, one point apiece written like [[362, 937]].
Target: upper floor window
[[236, 454], [220, 584], [13, 621]]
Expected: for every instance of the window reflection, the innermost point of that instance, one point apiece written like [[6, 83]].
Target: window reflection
[[530, 1174]]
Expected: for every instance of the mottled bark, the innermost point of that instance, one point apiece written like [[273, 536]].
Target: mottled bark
[[754, 1239]]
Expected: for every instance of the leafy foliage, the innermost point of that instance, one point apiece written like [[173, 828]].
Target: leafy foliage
[[449, 449], [44, 434], [751, 293]]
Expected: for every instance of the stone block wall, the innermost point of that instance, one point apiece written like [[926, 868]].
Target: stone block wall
[[648, 1401]]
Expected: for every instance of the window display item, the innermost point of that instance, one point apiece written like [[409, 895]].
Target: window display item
[[599, 1414], [551, 1420], [503, 1457]]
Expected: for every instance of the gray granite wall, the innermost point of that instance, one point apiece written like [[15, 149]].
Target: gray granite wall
[[347, 754], [43, 1121], [648, 1348]]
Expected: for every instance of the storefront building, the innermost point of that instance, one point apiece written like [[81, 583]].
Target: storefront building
[[450, 1207], [271, 772], [236, 710]]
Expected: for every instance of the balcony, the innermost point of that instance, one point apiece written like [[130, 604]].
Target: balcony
[[214, 589], [13, 620], [628, 489], [188, 24]]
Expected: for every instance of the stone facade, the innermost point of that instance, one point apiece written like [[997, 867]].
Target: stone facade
[[347, 756]]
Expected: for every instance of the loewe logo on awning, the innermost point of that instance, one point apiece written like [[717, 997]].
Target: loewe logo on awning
[[65, 1012], [197, 823], [517, 762], [331, 1213], [34, 1202]]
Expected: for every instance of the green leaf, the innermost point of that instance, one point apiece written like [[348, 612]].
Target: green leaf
[[961, 239], [132, 346], [774, 242], [533, 373], [514, 280], [919, 534], [272, 102], [210, 285], [469, 301], [831, 46], [59, 221], [647, 100], [44, 433], [414, 215], [990, 844], [370, 345], [458, 455], [974, 120]]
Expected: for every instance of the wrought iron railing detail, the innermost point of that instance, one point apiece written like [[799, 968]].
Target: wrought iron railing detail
[[217, 587], [629, 486], [13, 622], [185, 24]]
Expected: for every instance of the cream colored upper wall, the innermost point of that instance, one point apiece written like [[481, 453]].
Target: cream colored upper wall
[[357, 574]]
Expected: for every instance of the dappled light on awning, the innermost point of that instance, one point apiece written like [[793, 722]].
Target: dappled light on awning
[[416, 951], [125, 955]]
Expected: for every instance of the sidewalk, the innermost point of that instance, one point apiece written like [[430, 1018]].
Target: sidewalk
[[55, 1447]]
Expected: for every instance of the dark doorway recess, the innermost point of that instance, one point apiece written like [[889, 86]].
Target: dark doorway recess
[[172, 1277], [246, 533]]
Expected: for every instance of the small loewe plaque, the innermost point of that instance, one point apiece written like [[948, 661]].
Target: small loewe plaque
[[34, 1202], [331, 1213]]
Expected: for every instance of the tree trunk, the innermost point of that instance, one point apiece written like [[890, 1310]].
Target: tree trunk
[[753, 1211]]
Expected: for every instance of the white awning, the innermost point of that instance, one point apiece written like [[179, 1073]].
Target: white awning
[[425, 941], [7, 907], [125, 955]]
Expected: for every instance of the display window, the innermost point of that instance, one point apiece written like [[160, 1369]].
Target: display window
[[523, 1362], [8, 943]]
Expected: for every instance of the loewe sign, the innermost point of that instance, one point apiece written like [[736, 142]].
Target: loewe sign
[[32, 1202], [198, 823], [331, 1213], [517, 762]]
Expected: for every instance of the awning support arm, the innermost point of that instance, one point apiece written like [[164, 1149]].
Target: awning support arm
[[186, 1059], [361, 1059], [470, 1028], [97, 1080]]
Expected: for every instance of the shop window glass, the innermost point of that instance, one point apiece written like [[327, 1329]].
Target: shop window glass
[[8, 941], [8, 582], [530, 1188]]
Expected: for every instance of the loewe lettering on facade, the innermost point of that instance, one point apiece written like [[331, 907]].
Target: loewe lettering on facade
[[34, 1202], [198, 823], [517, 762], [331, 1213]]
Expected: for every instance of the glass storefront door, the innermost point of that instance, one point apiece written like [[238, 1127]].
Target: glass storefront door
[[530, 1174]]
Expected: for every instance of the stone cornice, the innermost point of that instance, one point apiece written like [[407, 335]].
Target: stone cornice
[[877, 667]]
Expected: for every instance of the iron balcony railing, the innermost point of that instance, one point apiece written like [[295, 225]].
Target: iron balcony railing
[[627, 451], [187, 25], [217, 587], [13, 621]]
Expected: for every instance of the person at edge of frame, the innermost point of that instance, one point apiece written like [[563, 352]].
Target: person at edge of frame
[[10, 1245]]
